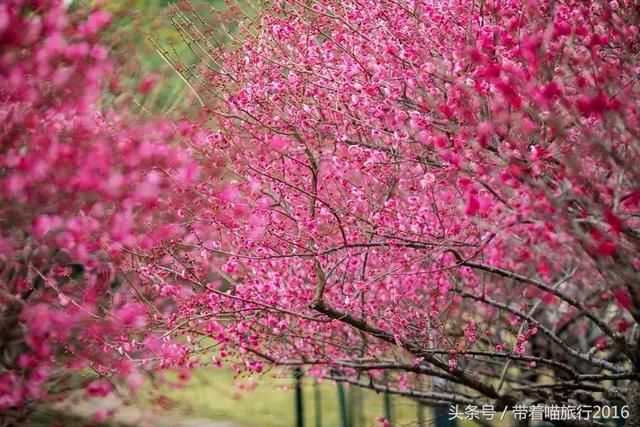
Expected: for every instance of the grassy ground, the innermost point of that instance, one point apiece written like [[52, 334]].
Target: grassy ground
[[216, 398], [269, 401]]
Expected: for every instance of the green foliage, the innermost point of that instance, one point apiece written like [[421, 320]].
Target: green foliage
[[145, 42], [134, 22]]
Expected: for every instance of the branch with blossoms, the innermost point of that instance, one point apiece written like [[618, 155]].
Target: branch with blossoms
[[451, 183], [80, 189]]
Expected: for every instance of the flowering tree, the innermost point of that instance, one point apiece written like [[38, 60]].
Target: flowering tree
[[405, 191], [82, 194]]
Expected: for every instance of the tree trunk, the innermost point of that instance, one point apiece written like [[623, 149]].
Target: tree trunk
[[633, 400]]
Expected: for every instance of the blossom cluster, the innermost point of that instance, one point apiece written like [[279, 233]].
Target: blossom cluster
[[442, 181], [83, 193]]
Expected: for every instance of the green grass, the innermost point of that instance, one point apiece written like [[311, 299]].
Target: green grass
[[214, 394]]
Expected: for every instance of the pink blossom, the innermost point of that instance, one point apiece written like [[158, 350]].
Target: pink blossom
[[148, 84], [98, 388]]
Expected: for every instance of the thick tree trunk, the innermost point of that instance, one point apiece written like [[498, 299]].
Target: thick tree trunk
[[633, 400]]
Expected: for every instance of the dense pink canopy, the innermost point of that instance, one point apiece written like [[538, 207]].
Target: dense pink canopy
[[446, 188], [389, 192]]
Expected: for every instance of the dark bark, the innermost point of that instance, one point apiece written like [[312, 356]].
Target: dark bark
[[633, 400]]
